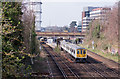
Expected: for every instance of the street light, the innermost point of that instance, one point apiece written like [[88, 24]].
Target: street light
[[75, 31]]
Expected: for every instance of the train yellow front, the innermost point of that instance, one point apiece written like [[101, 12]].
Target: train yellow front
[[77, 52]]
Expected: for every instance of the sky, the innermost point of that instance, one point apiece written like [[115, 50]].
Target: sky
[[63, 12]]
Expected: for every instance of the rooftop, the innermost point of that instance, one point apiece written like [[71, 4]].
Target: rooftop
[[101, 9]]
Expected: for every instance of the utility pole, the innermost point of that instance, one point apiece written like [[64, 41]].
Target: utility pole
[[93, 45]]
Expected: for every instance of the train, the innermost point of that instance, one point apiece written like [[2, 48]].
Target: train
[[79, 53], [43, 40]]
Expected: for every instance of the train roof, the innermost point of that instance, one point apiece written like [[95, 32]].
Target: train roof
[[74, 46]]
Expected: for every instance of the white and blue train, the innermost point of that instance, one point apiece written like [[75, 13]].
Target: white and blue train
[[77, 52]]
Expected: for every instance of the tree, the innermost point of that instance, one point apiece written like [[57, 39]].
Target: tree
[[18, 39], [72, 26], [105, 32], [28, 22], [12, 39], [111, 24], [65, 29]]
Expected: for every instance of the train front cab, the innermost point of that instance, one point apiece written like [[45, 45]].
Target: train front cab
[[81, 55]]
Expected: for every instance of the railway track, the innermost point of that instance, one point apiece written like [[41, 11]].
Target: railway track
[[59, 61], [103, 70], [91, 68], [53, 70], [94, 68]]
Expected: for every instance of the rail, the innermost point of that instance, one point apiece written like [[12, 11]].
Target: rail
[[61, 64]]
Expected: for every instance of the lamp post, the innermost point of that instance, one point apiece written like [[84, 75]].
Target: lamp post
[[93, 44], [75, 32]]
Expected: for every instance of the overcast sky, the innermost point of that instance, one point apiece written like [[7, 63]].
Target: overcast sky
[[63, 12]]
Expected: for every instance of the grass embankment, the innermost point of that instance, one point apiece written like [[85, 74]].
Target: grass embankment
[[40, 66], [104, 41], [57, 49], [114, 57]]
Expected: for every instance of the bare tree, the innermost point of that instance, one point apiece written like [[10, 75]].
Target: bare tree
[[111, 25], [28, 20], [105, 33]]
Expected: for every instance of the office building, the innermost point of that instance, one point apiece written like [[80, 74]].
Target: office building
[[99, 13], [79, 27], [86, 17], [93, 13]]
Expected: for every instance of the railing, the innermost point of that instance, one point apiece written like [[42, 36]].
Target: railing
[[60, 33]]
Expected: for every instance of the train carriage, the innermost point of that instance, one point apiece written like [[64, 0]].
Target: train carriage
[[79, 53]]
